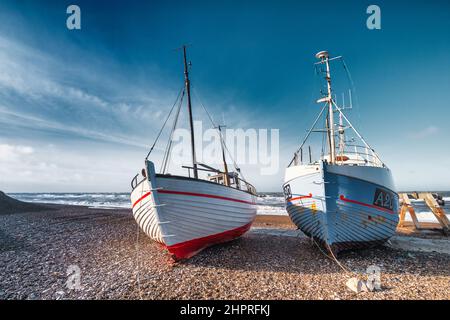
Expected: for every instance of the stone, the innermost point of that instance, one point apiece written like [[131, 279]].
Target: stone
[[357, 285], [59, 295]]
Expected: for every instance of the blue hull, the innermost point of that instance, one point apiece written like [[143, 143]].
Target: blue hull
[[345, 211]]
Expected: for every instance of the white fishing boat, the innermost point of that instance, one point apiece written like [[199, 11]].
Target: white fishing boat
[[346, 198], [187, 213]]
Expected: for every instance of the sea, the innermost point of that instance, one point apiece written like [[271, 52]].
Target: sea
[[268, 203]]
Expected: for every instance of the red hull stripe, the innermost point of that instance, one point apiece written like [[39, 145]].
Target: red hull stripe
[[365, 204], [203, 195], [189, 248], [141, 198], [301, 197]]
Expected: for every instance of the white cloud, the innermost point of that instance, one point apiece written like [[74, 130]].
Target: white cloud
[[45, 168], [12, 153], [424, 133]]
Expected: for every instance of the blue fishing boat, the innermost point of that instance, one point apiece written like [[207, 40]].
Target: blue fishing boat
[[346, 198]]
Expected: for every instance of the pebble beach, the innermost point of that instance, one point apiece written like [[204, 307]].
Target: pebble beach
[[39, 250]]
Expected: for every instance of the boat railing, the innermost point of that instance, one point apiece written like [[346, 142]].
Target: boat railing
[[250, 188], [361, 153], [234, 181], [201, 169], [136, 181], [238, 183], [219, 177], [233, 178], [351, 154]]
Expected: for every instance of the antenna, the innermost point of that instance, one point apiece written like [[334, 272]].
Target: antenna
[[350, 96], [344, 107], [321, 55]]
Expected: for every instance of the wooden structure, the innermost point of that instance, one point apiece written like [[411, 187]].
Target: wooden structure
[[431, 202]]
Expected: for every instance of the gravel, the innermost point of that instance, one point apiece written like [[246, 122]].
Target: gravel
[[37, 248]]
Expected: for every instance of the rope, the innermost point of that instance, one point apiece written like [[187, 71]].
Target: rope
[[357, 133], [164, 124], [353, 89], [169, 142], [234, 162], [309, 132], [204, 108], [310, 104], [220, 133], [332, 257], [337, 261]]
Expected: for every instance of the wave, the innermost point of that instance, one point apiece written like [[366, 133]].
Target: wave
[[269, 203], [94, 200]]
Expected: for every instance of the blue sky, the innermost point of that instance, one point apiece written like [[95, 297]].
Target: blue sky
[[78, 108]]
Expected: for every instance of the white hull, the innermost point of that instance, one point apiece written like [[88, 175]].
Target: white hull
[[187, 215]]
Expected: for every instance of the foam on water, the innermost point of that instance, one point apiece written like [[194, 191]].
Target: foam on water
[[94, 200], [268, 203]]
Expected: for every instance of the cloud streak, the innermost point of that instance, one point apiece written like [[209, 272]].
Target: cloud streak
[[32, 122], [34, 88], [425, 132]]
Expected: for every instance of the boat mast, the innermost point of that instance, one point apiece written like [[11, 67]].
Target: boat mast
[[191, 123], [323, 56], [225, 166]]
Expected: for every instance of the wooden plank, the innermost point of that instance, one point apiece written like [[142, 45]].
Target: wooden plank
[[412, 213], [403, 209], [406, 206], [402, 215], [437, 210]]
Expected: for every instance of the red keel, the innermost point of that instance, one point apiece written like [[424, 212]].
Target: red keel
[[189, 248]]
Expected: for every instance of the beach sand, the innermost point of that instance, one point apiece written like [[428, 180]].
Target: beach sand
[[117, 262]]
